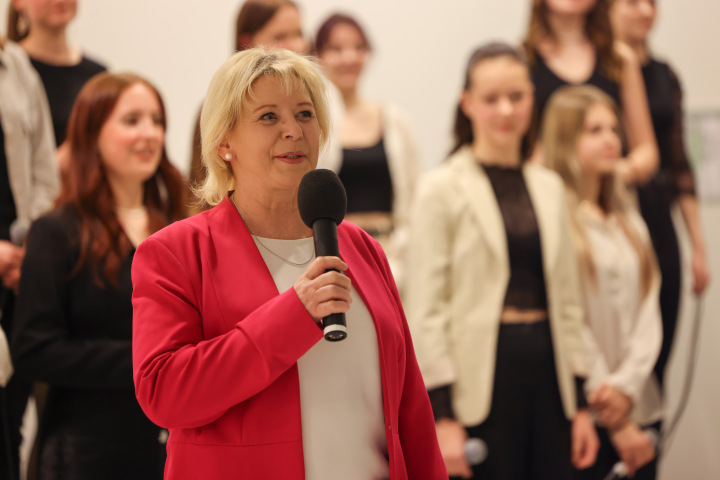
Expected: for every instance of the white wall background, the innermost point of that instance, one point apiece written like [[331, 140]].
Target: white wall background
[[420, 53]]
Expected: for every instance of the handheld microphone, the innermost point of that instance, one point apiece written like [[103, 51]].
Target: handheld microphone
[[322, 203], [476, 451], [19, 229]]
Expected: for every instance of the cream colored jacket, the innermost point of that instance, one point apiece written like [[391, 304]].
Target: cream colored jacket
[[404, 165], [458, 272], [29, 138]]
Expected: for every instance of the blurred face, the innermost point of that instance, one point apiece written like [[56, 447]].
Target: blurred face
[[344, 56], [598, 146], [632, 20], [283, 31], [499, 101], [131, 140], [570, 7], [276, 140], [49, 14]]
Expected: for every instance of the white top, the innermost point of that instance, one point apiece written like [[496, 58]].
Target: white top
[[341, 401], [625, 327]]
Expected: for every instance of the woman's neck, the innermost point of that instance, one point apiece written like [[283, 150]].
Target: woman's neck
[[640, 47], [502, 156], [127, 195], [271, 214], [567, 30], [50, 46], [350, 98]]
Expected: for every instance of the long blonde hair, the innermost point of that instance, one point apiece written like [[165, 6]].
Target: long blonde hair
[[563, 123]]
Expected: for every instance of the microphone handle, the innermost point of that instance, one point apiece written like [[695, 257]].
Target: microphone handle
[[326, 245]]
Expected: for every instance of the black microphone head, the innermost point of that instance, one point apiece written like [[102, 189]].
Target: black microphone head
[[321, 195]]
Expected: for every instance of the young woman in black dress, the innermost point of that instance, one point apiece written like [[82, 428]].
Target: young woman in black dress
[[74, 313], [632, 21], [571, 43]]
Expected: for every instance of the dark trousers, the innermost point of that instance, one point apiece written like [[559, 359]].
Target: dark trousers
[[608, 457], [527, 433], [13, 400]]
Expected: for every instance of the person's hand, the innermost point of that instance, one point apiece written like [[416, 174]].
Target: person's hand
[[700, 271], [451, 438], [11, 278], [10, 256], [610, 404], [324, 293], [585, 442], [633, 446]]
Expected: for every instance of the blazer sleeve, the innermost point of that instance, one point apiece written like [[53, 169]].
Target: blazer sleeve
[[44, 169], [43, 347], [183, 380], [646, 335], [418, 438], [571, 310], [427, 285]]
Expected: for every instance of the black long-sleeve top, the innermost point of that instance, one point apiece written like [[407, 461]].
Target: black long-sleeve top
[[76, 336]]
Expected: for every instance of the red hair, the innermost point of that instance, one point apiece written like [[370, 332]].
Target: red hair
[[103, 242]]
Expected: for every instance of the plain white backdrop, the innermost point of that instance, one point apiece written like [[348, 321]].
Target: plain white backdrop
[[420, 54]]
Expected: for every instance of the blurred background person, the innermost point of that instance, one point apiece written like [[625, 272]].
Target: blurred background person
[[632, 22], [619, 275], [379, 163], [28, 186], [492, 295], [272, 23], [571, 43], [74, 313], [41, 28], [228, 353]]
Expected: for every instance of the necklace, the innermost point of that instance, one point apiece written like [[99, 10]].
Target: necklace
[[289, 262]]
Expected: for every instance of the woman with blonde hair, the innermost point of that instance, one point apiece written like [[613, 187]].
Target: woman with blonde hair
[[619, 277], [572, 43], [228, 353]]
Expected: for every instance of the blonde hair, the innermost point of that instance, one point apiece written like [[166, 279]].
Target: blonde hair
[[228, 94], [563, 123]]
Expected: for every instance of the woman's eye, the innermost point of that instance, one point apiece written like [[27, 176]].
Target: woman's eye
[[490, 99], [267, 116], [306, 114], [131, 120]]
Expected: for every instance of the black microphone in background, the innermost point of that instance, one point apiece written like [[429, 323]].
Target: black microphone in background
[[322, 203]]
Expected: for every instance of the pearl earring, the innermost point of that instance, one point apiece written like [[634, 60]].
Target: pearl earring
[[228, 156]]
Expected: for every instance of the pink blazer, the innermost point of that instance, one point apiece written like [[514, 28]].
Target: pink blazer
[[215, 348]]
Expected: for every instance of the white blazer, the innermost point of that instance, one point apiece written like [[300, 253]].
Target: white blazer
[[458, 272], [404, 165]]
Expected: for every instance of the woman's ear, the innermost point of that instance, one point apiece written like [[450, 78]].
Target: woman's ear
[[464, 101], [224, 151]]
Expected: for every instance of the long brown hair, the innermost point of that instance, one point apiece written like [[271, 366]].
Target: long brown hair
[[563, 123], [597, 28], [462, 127], [103, 242], [253, 16]]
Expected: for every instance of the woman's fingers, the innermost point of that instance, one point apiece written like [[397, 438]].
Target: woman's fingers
[[322, 290]]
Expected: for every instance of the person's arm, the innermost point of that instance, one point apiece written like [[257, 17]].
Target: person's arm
[[684, 189], [428, 306], [183, 380], [42, 345], [45, 177], [642, 161], [416, 425], [646, 334]]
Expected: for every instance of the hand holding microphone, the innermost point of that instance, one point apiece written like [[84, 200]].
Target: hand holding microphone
[[635, 447]]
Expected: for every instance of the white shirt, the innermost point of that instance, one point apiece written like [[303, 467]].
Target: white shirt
[[623, 327], [341, 402]]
